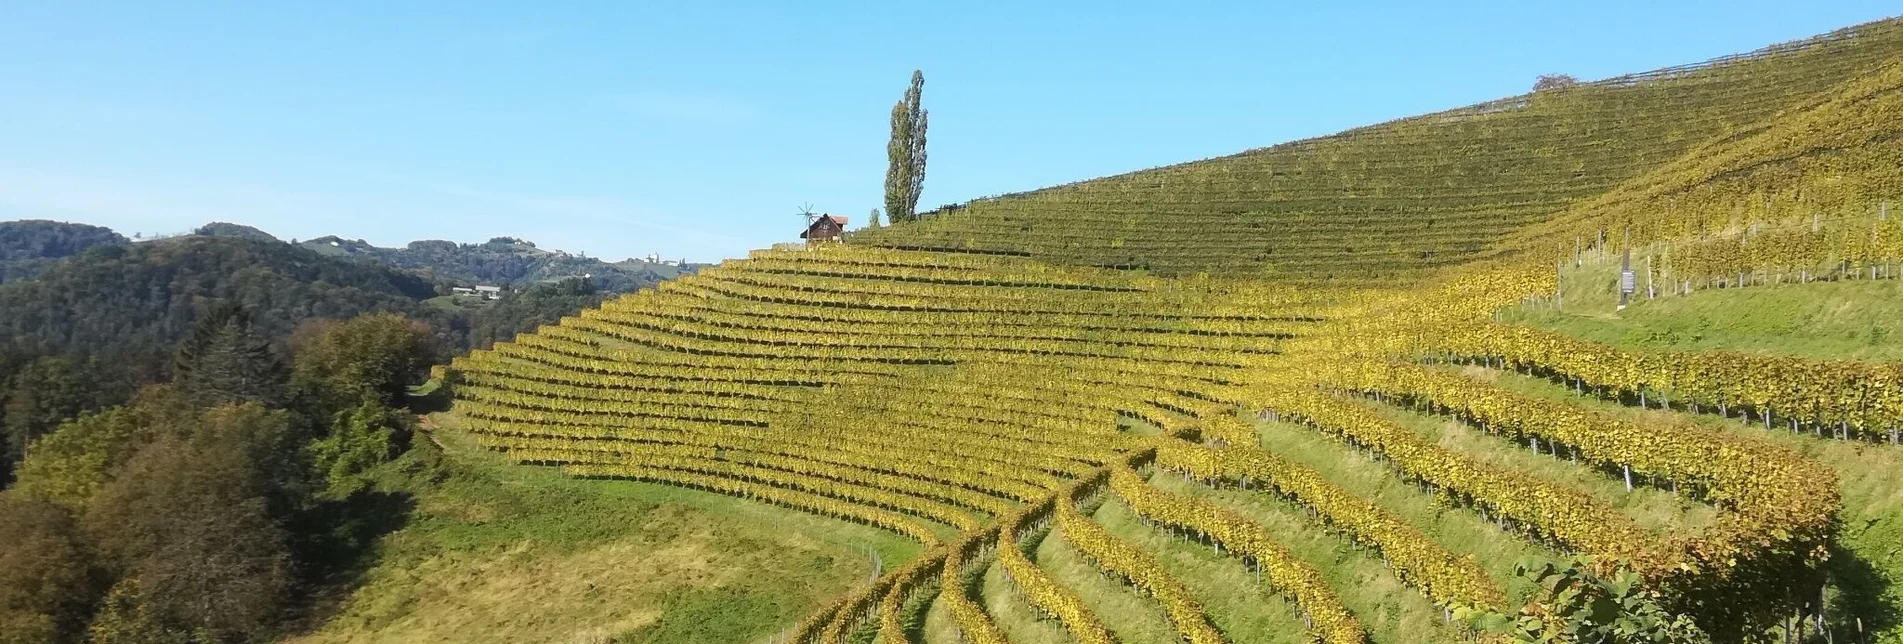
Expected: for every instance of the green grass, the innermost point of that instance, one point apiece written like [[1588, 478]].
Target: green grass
[[1131, 617], [939, 627], [1241, 609], [1657, 510], [1867, 567], [1856, 319], [1462, 532], [1014, 615], [1391, 611], [493, 551], [457, 303]]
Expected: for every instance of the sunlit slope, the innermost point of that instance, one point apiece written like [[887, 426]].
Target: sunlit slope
[[1310, 384], [967, 402], [1396, 198], [1819, 181]]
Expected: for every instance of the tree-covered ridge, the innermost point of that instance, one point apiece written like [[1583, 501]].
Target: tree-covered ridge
[[227, 229], [91, 330], [502, 261], [31, 245], [150, 293]]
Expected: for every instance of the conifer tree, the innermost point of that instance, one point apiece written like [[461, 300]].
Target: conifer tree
[[225, 361], [905, 174]]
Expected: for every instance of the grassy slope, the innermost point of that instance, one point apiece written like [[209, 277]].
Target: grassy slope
[[1462, 532], [1014, 614], [1656, 510], [597, 560], [1226, 589], [494, 537], [1860, 319], [1130, 616], [1817, 320]]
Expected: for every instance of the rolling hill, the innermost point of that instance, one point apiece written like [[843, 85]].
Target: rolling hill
[[1332, 390], [502, 261]]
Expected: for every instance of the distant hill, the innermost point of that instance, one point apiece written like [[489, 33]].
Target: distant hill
[[30, 246], [127, 305], [116, 311], [502, 261], [223, 229]]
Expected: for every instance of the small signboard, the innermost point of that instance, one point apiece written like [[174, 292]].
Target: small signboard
[[1628, 281]]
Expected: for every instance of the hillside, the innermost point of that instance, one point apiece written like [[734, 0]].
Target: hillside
[[1343, 390], [503, 261], [1393, 200], [30, 246], [92, 326]]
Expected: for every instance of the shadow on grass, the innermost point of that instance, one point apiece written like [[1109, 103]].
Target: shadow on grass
[[338, 544], [1861, 592]]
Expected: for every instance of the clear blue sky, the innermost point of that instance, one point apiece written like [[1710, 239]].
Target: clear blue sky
[[697, 129]]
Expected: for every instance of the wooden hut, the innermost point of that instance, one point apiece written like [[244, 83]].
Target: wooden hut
[[825, 228]]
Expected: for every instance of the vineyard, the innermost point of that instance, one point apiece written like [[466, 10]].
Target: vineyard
[[1269, 397]]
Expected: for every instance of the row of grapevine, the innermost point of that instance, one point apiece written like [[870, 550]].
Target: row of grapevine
[[1446, 579], [973, 624], [1141, 569], [1328, 621], [1846, 398], [1780, 507], [916, 461], [1569, 517], [1039, 589]]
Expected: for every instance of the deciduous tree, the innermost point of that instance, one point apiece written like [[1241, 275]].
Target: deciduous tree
[[905, 174]]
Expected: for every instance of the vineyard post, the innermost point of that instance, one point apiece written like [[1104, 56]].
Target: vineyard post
[[1626, 285], [1559, 285], [1651, 291]]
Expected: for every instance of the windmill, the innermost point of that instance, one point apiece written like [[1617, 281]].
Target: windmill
[[806, 210]]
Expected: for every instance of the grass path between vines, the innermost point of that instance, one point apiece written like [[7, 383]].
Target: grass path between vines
[[1867, 566], [1856, 319]]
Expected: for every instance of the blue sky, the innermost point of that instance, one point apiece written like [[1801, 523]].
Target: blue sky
[[696, 130]]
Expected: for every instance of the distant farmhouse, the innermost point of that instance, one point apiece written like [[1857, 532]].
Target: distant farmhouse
[[484, 292], [825, 228]]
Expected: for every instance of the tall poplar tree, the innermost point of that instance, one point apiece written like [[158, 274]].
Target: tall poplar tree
[[905, 176]]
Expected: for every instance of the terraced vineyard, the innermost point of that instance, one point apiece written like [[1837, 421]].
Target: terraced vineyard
[[1017, 383]]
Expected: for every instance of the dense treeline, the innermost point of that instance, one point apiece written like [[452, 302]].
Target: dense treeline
[[90, 331], [207, 508], [30, 246], [524, 310]]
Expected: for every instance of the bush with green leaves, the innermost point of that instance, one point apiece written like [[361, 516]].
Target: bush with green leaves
[[1576, 604]]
